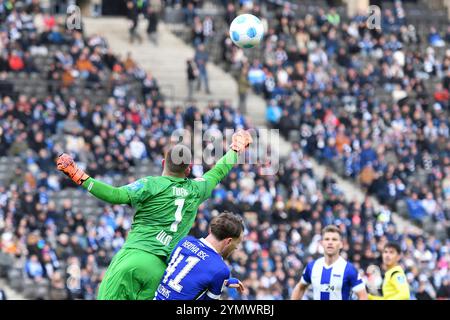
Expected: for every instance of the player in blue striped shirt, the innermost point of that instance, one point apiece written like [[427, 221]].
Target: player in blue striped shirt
[[332, 277], [197, 270]]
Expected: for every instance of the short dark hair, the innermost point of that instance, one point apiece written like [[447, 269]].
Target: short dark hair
[[393, 245], [331, 228], [226, 225], [178, 158]]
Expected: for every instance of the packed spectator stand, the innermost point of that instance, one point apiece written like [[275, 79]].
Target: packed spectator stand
[[66, 92]]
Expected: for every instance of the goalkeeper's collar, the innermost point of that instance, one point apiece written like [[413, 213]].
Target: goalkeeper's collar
[[172, 178]]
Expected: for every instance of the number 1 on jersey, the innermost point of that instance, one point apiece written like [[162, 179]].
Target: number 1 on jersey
[[178, 215], [172, 267]]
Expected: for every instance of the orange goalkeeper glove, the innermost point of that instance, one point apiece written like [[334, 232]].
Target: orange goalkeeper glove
[[240, 140], [66, 164]]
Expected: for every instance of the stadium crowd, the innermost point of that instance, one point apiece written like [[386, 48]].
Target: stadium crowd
[[325, 77], [284, 213], [322, 78]]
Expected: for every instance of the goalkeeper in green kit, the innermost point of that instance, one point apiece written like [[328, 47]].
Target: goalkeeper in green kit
[[166, 207]]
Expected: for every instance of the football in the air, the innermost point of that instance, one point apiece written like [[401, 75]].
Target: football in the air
[[246, 31]]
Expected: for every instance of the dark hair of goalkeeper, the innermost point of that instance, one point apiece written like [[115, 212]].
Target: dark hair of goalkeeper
[[177, 160], [226, 225]]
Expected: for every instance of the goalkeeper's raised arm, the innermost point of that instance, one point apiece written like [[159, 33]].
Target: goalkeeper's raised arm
[[119, 195], [99, 189], [240, 141]]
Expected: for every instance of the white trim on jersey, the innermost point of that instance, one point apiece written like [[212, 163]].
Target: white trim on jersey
[[359, 287], [206, 243], [212, 295], [200, 296]]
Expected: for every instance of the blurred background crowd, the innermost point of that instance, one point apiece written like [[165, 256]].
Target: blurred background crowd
[[372, 106]]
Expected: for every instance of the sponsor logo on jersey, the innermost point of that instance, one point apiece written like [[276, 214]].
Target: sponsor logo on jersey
[[135, 185], [401, 279]]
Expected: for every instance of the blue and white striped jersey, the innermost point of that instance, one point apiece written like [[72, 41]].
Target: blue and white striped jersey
[[196, 271], [334, 282]]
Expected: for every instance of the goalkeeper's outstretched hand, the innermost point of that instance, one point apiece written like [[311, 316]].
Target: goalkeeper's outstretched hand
[[66, 164], [240, 140]]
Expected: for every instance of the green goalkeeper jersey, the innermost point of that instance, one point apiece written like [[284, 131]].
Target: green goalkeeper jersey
[[165, 211], [165, 206]]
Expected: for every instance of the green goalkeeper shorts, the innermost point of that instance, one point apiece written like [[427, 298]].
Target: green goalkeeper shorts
[[133, 274]]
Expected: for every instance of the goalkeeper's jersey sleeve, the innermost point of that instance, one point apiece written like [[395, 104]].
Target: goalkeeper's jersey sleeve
[[210, 179], [395, 286], [166, 207]]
